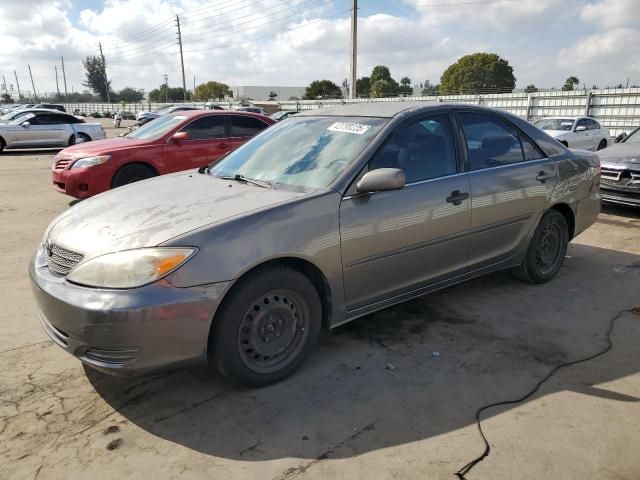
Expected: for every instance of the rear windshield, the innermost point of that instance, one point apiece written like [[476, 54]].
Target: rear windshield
[[156, 128]]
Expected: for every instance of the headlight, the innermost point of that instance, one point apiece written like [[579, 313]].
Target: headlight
[[129, 268], [90, 161]]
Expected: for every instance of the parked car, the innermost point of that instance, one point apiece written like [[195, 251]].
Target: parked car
[[174, 142], [259, 110], [51, 106], [282, 114], [329, 216], [621, 171], [48, 129], [576, 132], [11, 115], [145, 117]]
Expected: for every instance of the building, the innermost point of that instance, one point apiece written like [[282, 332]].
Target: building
[[257, 92]]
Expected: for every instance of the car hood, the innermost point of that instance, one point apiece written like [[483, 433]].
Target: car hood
[[555, 133], [97, 147], [153, 211], [621, 153]]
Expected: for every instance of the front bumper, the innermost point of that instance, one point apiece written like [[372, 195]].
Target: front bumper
[[629, 197], [126, 332], [80, 183]]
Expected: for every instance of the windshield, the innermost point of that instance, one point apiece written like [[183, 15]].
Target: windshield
[[162, 110], [157, 128], [305, 152], [563, 124], [634, 137], [22, 118]]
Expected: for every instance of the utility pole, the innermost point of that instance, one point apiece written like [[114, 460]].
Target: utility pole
[[64, 78], [354, 49], [166, 88], [194, 83], [104, 72], [184, 82], [35, 95], [4, 84], [17, 84], [57, 85]]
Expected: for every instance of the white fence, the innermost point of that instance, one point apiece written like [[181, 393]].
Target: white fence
[[616, 109]]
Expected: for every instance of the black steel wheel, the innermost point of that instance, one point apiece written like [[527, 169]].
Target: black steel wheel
[[266, 327], [130, 174], [547, 249]]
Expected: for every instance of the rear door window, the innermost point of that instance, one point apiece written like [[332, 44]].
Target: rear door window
[[491, 142], [246, 126]]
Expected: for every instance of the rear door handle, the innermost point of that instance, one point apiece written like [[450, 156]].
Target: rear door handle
[[457, 197], [544, 176]]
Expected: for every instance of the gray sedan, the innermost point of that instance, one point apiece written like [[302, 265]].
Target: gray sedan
[[621, 171], [329, 216], [48, 129]]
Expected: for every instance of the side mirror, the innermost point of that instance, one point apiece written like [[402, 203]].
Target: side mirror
[[180, 137], [581, 128], [380, 180], [621, 137], [25, 124]]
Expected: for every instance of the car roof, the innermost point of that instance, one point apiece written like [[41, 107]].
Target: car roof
[[560, 117], [369, 109], [203, 112]]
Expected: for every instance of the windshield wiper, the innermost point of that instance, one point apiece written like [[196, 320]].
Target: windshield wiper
[[238, 177]]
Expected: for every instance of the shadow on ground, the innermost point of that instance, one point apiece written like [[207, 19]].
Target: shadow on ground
[[407, 373]]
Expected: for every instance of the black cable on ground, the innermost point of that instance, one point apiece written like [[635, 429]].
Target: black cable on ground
[[487, 448]]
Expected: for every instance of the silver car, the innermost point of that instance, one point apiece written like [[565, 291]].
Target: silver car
[[329, 216], [621, 171], [48, 129]]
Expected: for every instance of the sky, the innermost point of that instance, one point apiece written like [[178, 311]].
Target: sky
[[292, 42]]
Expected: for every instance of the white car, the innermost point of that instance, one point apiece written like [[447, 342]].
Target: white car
[[576, 132], [48, 129]]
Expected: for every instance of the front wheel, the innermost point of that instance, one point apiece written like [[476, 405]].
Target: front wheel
[[546, 251], [130, 174], [266, 327]]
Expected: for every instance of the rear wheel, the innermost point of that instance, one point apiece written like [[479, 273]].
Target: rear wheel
[[602, 144], [131, 174], [546, 251], [79, 137], [266, 327], [2, 144]]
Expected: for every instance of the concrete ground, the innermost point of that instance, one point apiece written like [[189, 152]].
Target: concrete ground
[[392, 395]]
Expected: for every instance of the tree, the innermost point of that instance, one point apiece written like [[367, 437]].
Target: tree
[[380, 72], [405, 87], [389, 88], [322, 89], [530, 88], [570, 84], [212, 91], [272, 95], [478, 73], [169, 94], [363, 87], [95, 76], [130, 95], [6, 98], [429, 89]]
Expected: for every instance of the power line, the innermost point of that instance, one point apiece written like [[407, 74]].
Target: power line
[[458, 4], [164, 24], [271, 34], [233, 31]]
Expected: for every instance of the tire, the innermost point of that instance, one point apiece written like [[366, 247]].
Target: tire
[[266, 327], [602, 144], [546, 251], [83, 136], [130, 174], [2, 144]]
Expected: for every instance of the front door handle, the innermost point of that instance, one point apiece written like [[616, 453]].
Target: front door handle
[[544, 176], [457, 197]]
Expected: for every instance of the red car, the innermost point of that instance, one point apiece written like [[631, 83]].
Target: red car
[[174, 142]]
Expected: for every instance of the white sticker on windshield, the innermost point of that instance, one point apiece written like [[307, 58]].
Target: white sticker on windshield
[[357, 128], [180, 117]]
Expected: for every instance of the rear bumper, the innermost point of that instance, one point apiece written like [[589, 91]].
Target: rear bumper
[[126, 332]]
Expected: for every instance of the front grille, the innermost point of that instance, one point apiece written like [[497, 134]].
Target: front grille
[[60, 259], [62, 163], [621, 176], [619, 194]]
